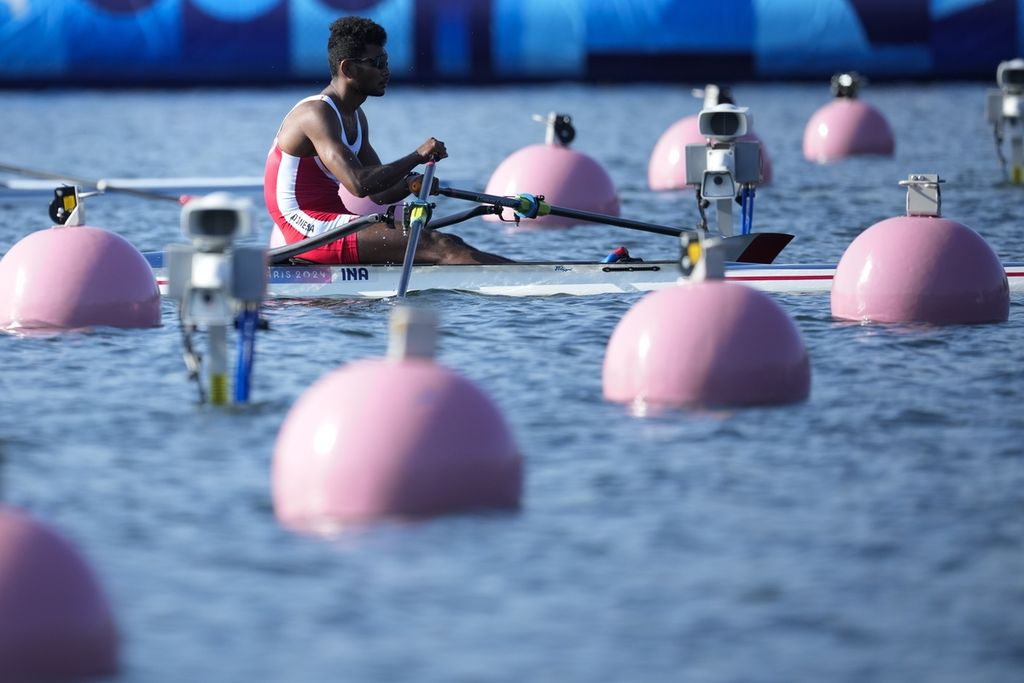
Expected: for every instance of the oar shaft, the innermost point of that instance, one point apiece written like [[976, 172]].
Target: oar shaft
[[101, 185], [414, 232], [517, 204], [614, 220]]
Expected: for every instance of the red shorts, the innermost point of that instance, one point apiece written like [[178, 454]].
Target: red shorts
[[345, 250]]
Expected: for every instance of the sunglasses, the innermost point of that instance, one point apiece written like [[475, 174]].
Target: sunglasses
[[378, 62]]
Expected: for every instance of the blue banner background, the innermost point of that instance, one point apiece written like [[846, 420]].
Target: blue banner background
[[157, 42]]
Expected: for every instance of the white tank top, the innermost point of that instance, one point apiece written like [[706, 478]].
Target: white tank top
[[355, 146]]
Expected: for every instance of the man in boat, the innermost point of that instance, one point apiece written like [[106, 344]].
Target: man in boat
[[325, 140]]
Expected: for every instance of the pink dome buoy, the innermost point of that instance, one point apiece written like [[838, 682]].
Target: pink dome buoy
[[76, 276], [55, 623], [444, 447], [920, 268], [706, 343], [666, 169], [846, 126], [563, 176]]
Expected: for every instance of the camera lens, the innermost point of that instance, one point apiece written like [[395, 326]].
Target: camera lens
[[216, 222], [724, 123], [718, 180]]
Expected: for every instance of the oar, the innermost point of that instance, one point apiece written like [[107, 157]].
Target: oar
[[101, 185], [280, 255], [525, 204], [420, 217], [758, 247]]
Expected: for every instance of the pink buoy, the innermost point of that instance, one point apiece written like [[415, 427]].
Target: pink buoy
[[846, 126], [76, 276], [563, 176], [711, 343], [443, 447], [55, 623], [920, 269]]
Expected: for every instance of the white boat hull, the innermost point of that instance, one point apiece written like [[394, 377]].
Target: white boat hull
[[532, 279]]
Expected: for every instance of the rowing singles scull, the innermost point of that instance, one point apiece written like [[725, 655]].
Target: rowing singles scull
[[547, 278]]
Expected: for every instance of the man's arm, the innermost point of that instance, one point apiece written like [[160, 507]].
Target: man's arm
[[368, 157], [317, 123]]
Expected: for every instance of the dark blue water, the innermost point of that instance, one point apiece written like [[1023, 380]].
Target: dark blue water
[[873, 533]]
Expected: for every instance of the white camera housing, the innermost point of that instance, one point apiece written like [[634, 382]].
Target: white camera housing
[[214, 221], [1011, 106], [1010, 76], [723, 122], [718, 181]]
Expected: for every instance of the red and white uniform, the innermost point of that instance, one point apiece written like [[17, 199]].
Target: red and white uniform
[[302, 198]]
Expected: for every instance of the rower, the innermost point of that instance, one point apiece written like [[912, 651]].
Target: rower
[[1003, 111], [214, 282], [724, 170]]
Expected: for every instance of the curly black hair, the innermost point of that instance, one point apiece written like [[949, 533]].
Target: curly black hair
[[349, 38]]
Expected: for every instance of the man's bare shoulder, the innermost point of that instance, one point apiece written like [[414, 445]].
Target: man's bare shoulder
[[311, 110], [306, 123]]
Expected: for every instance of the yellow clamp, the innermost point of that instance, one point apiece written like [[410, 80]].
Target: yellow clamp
[[418, 212]]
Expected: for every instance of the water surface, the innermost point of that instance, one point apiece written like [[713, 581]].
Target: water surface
[[871, 533]]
